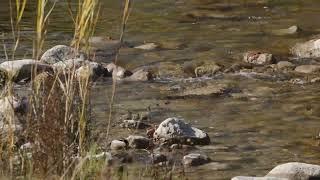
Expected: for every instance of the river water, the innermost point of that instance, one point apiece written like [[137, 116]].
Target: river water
[[275, 123]]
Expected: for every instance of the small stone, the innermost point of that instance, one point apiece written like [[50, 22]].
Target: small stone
[[259, 58], [139, 142], [132, 124], [147, 46], [195, 160], [158, 158], [118, 145]]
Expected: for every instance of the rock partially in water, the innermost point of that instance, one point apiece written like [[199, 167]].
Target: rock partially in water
[[285, 65], [22, 69], [119, 145], [295, 170], [204, 14], [91, 69], [195, 159], [177, 131], [289, 31], [60, 53], [216, 166], [139, 142], [238, 66], [147, 46], [117, 72], [207, 70], [140, 75], [257, 178], [309, 49], [258, 57], [308, 69], [133, 124], [195, 89]]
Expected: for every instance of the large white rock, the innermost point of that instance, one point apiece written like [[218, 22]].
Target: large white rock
[[22, 69], [309, 49], [296, 171], [175, 130]]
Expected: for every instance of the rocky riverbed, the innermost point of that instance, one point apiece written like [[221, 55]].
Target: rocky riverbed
[[234, 86]]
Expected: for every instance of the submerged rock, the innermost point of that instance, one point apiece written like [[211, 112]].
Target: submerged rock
[[259, 58], [195, 160], [307, 69], [175, 130], [309, 49], [139, 142], [22, 69], [60, 53], [133, 124], [295, 170], [147, 46], [204, 14]]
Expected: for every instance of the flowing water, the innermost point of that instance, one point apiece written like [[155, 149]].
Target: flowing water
[[276, 122]]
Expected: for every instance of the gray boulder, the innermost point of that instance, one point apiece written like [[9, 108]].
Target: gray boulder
[[295, 171], [60, 53], [176, 131], [309, 49]]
